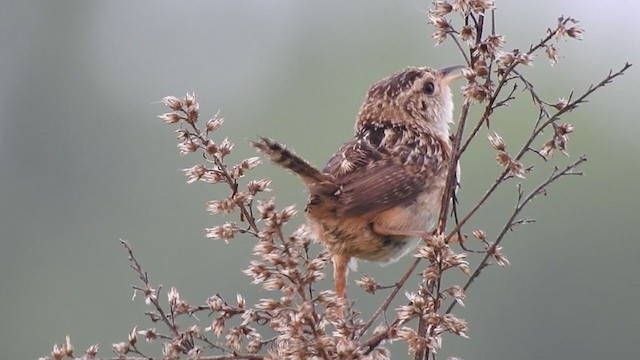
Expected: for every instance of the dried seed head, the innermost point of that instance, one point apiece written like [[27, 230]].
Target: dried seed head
[[477, 93], [212, 177], [92, 351], [68, 347], [461, 6], [481, 68], [217, 326], [346, 349], [266, 208], [171, 350], [225, 148], [214, 123], [225, 232], [240, 197], [548, 148], [268, 304], [524, 58], [273, 283], [439, 37], [193, 111], [457, 292], [170, 118], [467, 34], [187, 147], [263, 247], [193, 330], [234, 338], [211, 148], [182, 135], [150, 295], [286, 214], [440, 23], [189, 100], [368, 283], [480, 6], [505, 59], [408, 312], [256, 186], [242, 303], [414, 341], [561, 104], [149, 334], [496, 141], [564, 129], [215, 303], [464, 267], [516, 169], [455, 325], [480, 234], [503, 158], [121, 349], [469, 74], [560, 140], [552, 54], [442, 28], [494, 43], [496, 252], [575, 32], [441, 8], [426, 252], [172, 102], [194, 173], [58, 352], [225, 206], [133, 337], [327, 298], [173, 296], [561, 30], [250, 163], [254, 346]]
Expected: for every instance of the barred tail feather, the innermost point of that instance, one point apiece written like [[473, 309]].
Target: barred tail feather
[[287, 159]]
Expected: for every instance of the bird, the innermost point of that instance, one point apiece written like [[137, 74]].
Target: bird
[[381, 192]]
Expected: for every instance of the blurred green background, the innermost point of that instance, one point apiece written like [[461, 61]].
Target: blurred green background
[[84, 161]]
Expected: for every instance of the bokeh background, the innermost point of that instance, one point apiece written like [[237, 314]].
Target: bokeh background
[[84, 161]]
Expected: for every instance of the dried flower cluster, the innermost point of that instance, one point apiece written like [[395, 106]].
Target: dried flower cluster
[[300, 320]]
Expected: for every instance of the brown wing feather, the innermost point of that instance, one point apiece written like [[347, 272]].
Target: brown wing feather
[[380, 186], [381, 169]]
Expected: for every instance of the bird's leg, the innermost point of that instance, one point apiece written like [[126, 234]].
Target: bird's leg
[[340, 269]]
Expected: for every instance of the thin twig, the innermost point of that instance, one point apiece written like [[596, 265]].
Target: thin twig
[[385, 305], [503, 81], [135, 265], [572, 105], [568, 170]]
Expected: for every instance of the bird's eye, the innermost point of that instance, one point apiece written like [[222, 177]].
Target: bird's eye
[[428, 88]]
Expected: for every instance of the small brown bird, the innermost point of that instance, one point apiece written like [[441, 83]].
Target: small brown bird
[[381, 192]]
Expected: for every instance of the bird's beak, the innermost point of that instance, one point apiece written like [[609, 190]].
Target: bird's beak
[[451, 73]]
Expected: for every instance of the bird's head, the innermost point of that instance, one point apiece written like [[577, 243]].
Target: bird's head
[[416, 96]]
